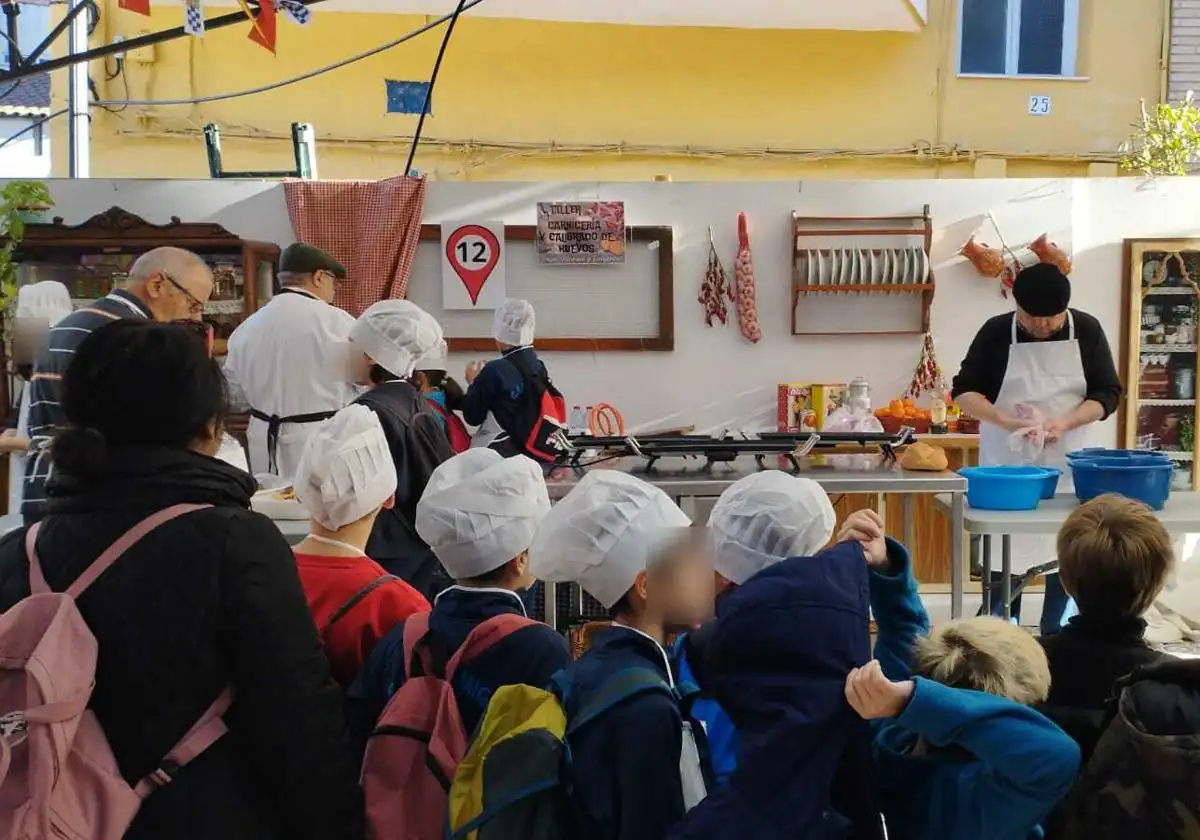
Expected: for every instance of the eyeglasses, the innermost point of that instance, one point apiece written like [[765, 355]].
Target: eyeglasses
[[205, 331], [195, 305]]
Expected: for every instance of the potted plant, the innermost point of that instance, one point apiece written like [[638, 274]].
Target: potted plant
[[21, 203]]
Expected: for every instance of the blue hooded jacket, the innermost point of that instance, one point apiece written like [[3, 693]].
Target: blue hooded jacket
[[776, 661], [996, 769]]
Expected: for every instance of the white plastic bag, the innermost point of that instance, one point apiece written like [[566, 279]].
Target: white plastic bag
[[846, 420], [1029, 441]]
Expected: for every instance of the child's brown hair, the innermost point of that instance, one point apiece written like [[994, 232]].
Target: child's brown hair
[[985, 654], [1114, 556]]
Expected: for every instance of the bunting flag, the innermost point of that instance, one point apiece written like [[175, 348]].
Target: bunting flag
[[297, 11], [142, 7], [263, 33], [193, 18]]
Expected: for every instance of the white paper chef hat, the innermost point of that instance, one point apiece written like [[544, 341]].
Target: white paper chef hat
[[767, 517], [48, 299], [346, 471], [514, 322], [480, 510], [604, 533], [395, 333], [435, 359]]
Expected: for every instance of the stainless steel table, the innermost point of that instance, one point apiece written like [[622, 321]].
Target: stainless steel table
[[1180, 515], [688, 481]]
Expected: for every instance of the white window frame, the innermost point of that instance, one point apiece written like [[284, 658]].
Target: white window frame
[[1012, 43]]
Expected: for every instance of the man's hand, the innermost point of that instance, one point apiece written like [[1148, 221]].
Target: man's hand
[[472, 371], [1055, 429], [873, 695], [866, 528]]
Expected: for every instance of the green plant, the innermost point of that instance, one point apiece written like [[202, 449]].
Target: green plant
[[1187, 433], [1166, 141], [17, 200]]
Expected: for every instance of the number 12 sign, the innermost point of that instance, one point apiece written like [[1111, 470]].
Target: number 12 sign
[[473, 265]]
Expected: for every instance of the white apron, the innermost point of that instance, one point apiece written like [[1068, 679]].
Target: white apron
[[1047, 375]]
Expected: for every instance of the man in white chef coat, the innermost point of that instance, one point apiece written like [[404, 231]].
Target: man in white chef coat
[[1048, 357], [289, 361]]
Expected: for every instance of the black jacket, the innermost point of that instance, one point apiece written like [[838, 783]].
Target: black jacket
[[209, 600], [418, 446], [1087, 659]]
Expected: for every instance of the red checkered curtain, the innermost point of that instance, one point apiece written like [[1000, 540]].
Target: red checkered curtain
[[371, 227]]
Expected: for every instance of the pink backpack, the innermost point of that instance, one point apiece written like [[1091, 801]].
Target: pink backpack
[[420, 739], [58, 777]]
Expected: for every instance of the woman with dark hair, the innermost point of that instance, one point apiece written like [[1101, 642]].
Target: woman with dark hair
[[443, 396], [205, 602]]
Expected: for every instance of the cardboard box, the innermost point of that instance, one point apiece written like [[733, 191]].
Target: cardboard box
[[803, 406]]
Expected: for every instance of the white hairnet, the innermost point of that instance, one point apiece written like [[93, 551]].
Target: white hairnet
[[435, 359], [480, 510], [603, 534], [767, 517], [48, 299], [395, 333], [346, 471], [514, 321]]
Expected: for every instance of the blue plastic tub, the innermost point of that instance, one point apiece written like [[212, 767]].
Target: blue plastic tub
[[1050, 482], [1006, 488], [1101, 452], [1145, 479]]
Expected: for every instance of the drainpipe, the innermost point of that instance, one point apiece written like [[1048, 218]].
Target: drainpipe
[[1164, 61]]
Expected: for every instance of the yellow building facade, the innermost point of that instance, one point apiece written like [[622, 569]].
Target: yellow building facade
[[555, 100]]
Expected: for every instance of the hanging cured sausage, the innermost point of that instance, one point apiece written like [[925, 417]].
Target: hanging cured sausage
[[743, 285], [715, 292]]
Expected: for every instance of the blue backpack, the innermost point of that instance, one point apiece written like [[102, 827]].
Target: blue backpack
[[720, 735]]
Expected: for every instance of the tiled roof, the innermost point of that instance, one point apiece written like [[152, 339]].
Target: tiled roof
[[31, 97]]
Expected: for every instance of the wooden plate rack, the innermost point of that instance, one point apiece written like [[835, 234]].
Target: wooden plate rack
[[871, 264]]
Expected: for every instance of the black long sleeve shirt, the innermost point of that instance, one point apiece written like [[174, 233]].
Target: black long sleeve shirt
[[982, 371]]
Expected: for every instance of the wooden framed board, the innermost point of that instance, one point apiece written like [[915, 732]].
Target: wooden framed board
[[580, 308]]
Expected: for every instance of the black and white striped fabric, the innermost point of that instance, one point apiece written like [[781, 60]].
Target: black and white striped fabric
[[45, 409]]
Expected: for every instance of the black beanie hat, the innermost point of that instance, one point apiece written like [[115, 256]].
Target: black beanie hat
[[1042, 290]]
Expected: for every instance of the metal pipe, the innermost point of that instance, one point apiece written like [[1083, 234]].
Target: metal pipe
[[78, 126], [129, 45], [11, 10]]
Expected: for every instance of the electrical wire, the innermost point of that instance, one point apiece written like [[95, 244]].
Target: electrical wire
[[437, 65], [32, 126], [303, 77]]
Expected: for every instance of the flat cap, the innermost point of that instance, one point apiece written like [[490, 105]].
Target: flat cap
[[299, 258], [1042, 290]]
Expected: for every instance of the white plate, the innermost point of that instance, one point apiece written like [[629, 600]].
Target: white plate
[[809, 265], [265, 503], [923, 263], [910, 266], [820, 278], [847, 267], [835, 266], [872, 267]]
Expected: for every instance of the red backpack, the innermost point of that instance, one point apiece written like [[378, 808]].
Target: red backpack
[[420, 739], [550, 420], [456, 429]]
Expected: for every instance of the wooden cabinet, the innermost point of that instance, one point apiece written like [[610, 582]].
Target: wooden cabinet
[[91, 258], [1159, 350]]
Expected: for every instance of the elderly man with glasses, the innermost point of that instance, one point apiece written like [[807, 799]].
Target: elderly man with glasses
[[165, 284]]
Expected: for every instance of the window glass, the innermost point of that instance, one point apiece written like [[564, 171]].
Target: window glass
[[1041, 42], [984, 36]]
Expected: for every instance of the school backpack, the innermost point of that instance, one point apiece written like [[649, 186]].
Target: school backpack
[[1140, 782], [550, 419], [456, 429], [419, 740], [514, 780], [59, 779]]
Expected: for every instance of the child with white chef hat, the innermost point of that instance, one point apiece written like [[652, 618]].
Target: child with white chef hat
[[628, 545]]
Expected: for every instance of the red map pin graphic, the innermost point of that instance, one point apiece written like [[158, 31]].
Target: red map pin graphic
[[473, 260]]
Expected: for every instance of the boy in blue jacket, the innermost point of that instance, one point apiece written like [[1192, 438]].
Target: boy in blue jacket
[[635, 768], [959, 754], [757, 522]]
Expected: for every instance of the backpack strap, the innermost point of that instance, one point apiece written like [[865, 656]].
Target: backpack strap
[[110, 555], [416, 632], [206, 732], [618, 688], [353, 601], [496, 629]]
